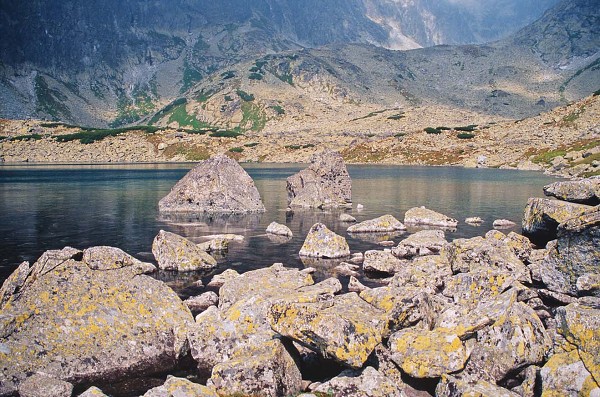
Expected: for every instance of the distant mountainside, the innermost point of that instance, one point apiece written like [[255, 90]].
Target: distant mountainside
[[121, 62]]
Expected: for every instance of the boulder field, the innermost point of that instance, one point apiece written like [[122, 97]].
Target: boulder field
[[493, 315]]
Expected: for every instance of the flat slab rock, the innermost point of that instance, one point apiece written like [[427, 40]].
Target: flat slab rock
[[324, 184], [217, 185], [585, 191], [425, 216], [383, 224]]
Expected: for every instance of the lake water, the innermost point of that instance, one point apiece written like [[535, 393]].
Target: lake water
[[48, 207]]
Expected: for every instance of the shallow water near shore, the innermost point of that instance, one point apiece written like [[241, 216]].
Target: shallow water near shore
[[51, 206]]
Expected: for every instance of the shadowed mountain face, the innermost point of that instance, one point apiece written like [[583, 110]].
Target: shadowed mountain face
[[120, 62]]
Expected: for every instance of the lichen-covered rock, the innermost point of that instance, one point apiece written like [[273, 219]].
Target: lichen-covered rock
[[589, 284], [325, 183], [366, 383], [520, 245], [383, 224], [202, 302], [580, 325], [584, 191], [346, 328], [217, 185], [110, 258], [542, 217], [565, 375], [381, 262], [575, 253], [427, 354], [503, 223], [450, 386], [79, 319], [469, 289], [218, 280], [279, 229], [93, 392], [323, 243], [426, 272], [173, 252], [39, 385], [467, 255], [424, 242], [258, 370], [180, 387], [214, 245], [517, 338], [424, 216]]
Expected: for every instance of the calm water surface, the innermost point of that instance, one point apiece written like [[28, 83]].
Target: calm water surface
[[49, 207]]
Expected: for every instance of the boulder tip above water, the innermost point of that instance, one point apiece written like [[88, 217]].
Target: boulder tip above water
[[425, 216], [323, 243], [217, 185], [324, 184]]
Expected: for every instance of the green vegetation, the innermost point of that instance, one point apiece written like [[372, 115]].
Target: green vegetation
[[296, 147], [251, 144], [228, 75], [253, 117], [192, 153], [260, 64], [50, 101], [285, 77], [228, 98], [204, 96], [164, 111], [58, 124], [245, 96], [592, 66], [89, 135], [396, 116], [30, 137], [399, 135], [180, 116], [255, 76], [236, 149], [225, 134], [596, 93], [133, 106], [191, 76], [467, 128], [278, 109], [431, 130], [465, 135], [574, 115], [443, 128], [370, 115]]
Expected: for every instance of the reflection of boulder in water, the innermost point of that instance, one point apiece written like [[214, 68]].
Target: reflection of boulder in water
[[324, 268], [376, 237], [278, 239], [197, 225], [417, 228]]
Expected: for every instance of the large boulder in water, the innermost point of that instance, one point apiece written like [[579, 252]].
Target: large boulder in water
[[75, 319], [217, 185], [321, 242], [585, 191], [325, 183]]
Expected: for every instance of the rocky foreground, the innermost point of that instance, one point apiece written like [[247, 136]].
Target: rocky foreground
[[487, 316]]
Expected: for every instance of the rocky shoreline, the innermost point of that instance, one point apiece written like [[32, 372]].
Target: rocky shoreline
[[493, 315]]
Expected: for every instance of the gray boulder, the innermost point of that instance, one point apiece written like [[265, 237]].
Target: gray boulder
[[366, 383], [180, 387], [279, 229], [542, 217], [173, 252], [584, 191], [450, 386], [217, 185], [324, 184], [383, 224], [565, 375], [323, 243], [382, 262], [427, 217], [79, 317], [202, 302], [40, 385], [575, 253], [424, 242]]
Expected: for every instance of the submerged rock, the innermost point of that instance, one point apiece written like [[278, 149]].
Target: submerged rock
[[279, 229], [325, 183], [79, 317], [575, 253], [173, 252], [424, 216], [585, 191], [383, 224], [346, 328], [217, 185], [542, 217], [323, 243]]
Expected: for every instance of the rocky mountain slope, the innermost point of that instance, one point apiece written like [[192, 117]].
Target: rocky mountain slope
[[121, 61]]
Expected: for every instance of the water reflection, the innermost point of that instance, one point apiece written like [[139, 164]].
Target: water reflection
[[44, 207]]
